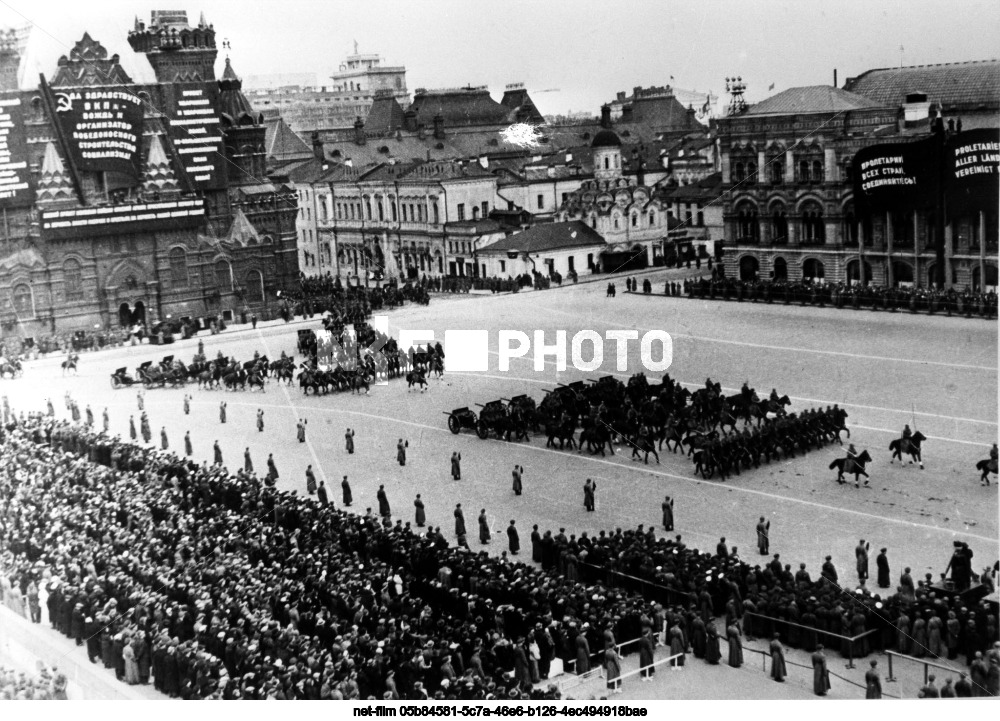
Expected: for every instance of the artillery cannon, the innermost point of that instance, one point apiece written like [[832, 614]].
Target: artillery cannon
[[493, 417], [461, 418]]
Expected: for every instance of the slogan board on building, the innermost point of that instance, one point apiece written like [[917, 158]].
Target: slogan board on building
[[194, 129], [895, 175], [103, 128], [16, 190], [972, 171]]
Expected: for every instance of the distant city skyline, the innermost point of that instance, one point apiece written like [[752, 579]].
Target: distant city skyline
[[579, 53]]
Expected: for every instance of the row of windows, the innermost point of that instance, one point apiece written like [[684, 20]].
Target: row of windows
[[807, 171]]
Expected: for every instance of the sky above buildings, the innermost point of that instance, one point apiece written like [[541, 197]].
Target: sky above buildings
[[571, 54]]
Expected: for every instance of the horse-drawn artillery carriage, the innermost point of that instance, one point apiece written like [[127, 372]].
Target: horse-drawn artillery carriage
[[160, 375], [121, 378], [462, 418]]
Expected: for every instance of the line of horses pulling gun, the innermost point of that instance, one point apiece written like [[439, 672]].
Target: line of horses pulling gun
[[646, 417]]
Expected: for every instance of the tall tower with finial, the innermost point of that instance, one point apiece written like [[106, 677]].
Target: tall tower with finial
[[10, 59], [243, 131], [177, 51]]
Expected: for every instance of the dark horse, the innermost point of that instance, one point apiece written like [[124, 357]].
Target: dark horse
[[986, 467], [416, 377], [855, 466], [910, 448]]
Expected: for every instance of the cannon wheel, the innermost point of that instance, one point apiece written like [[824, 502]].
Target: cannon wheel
[[115, 383], [453, 425], [483, 430]]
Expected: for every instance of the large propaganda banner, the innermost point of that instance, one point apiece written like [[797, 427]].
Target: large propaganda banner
[[103, 128], [894, 176], [15, 180], [908, 176], [972, 171]]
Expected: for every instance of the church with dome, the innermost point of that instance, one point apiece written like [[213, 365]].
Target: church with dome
[[625, 211]]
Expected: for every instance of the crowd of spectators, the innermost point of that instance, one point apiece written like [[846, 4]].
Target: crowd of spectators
[[217, 585], [46, 685], [965, 302]]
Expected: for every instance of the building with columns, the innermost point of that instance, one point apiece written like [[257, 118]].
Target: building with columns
[[787, 176]]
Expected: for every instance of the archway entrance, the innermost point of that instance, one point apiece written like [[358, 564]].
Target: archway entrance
[[139, 313], [854, 272], [749, 267], [902, 274], [124, 315], [780, 269], [812, 270]]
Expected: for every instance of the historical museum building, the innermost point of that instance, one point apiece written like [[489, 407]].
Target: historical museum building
[[788, 177], [127, 202]]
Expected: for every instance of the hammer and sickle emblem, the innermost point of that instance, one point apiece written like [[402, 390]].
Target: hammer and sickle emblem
[[63, 103]]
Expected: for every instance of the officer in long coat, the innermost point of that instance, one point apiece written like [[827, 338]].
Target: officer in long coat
[[861, 556], [104, 417], [821, 676], [873, 681], [882, 568], [164, 444], [187, 404], [272, 470], [218, 453], [188, 450], [536, 544], [300, 430], [247, 461], [456, 466], [321, 494], [459, 520], [516, 475], [484, 527], [260, 420], [513, 540], [349, 439], [345, 487], [668, 513], [310, 480], [222, 412], [421, 517], [131, 428], [763, 541], [383, 502], [401, 451]]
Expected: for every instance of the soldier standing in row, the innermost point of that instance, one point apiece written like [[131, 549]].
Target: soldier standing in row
[[513, 540], [310, 480], [345, 488], [383, 503], [163, 438], [668, 513], [421, 517], [459, 520], [247, 461], [517, 473], [349, 439], [272, 470], [484, 527], [589, 488], [188, 450], [763, 541], [861, 556], [218, 454], [321, 494], [456, 466]]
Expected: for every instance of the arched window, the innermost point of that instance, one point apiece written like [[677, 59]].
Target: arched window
[[616, 222], [381, 211], [779, 224], [851, 226], [652, 218], [854, 269], [751, 173], [991, 279], [635, 220], [817, 171], [255, 286], [178, 267], [607, 162], [812, 270], [739, 173], [392, 206], [368, 209], [223, 276], [593, 221], [73, 279], [749, 268], [24, 302], [813, 230], [780, 269], [803, 171], [748, 227]]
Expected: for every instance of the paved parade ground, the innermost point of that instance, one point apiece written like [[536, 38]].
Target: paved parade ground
[[937, 374]]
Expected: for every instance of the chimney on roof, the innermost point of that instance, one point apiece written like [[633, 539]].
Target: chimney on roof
[[317, 146], [410, 121], [627, 116], [438, 127], [605, 116], [620, 96], [692, 117], [835, 77], [359, 131]]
